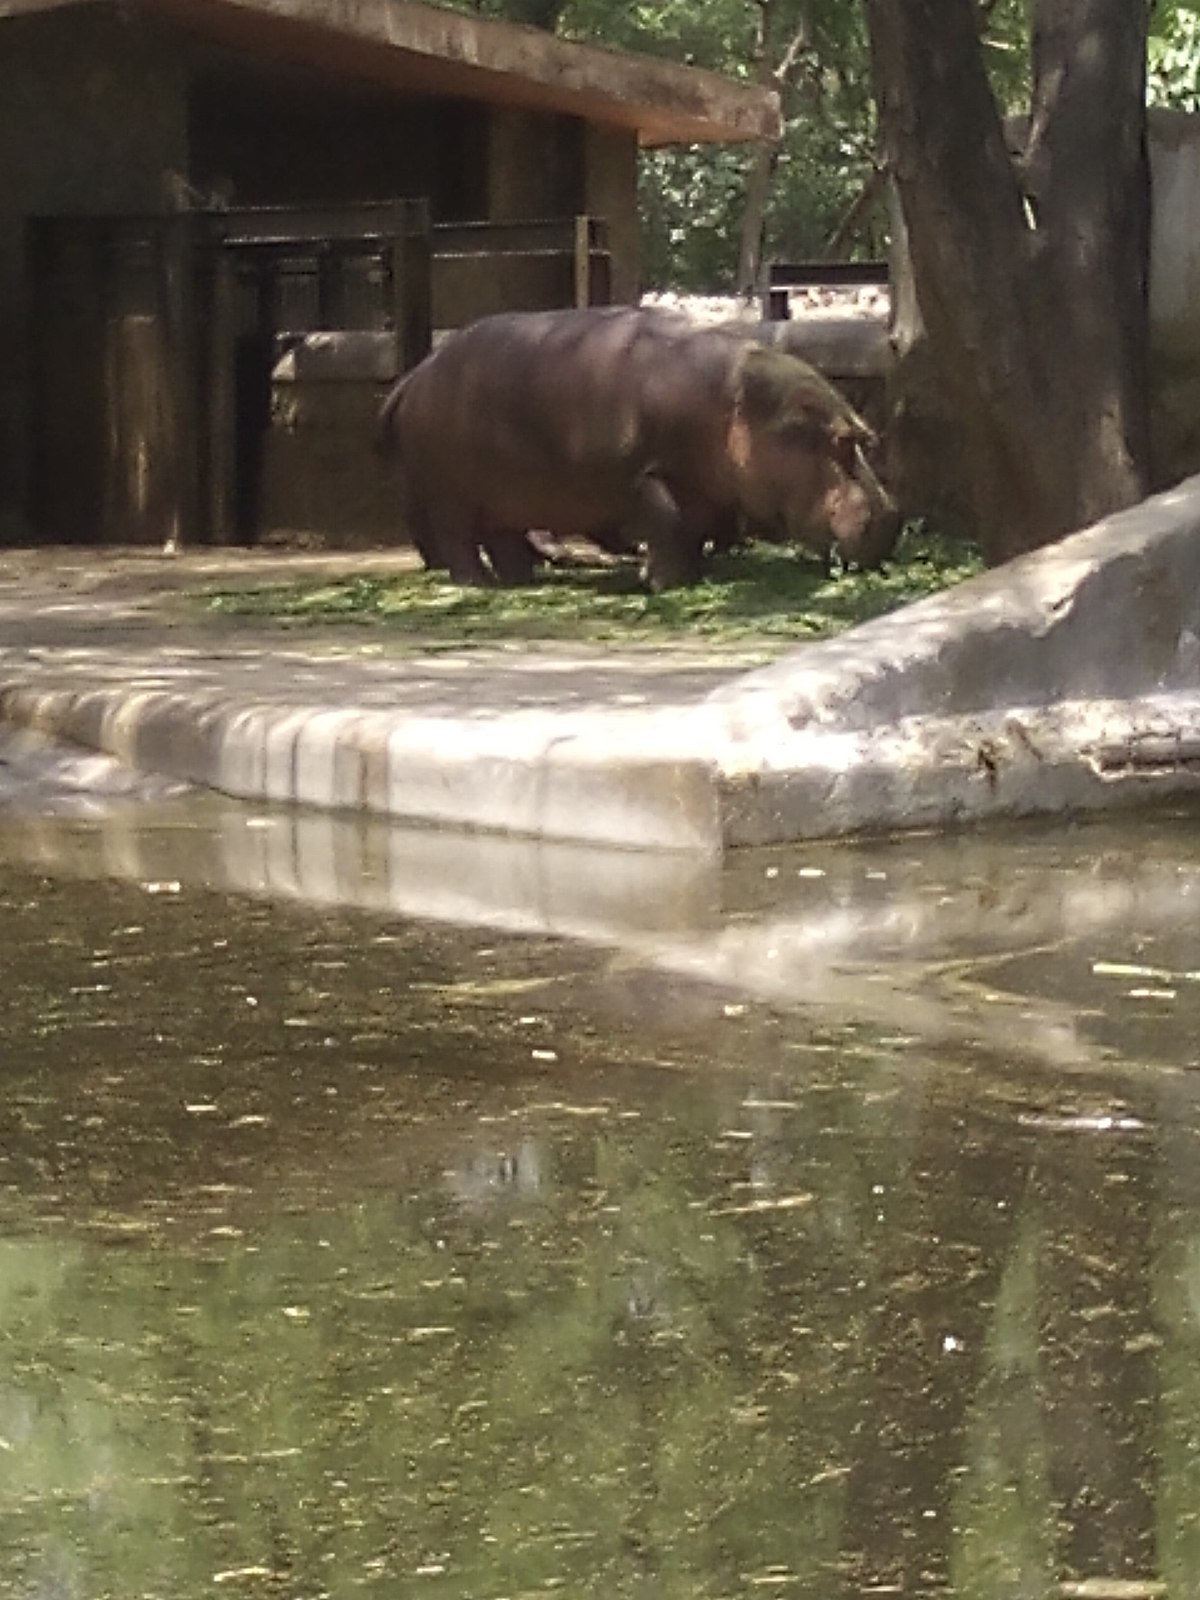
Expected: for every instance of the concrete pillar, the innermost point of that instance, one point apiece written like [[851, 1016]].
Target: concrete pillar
[[610, 191]]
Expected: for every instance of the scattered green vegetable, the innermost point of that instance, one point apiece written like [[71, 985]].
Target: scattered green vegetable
[[763, 593]]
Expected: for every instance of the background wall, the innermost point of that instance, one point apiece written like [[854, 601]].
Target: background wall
[[1175, 292]]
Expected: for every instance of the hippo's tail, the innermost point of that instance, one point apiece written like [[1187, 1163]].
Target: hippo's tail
[[385, 432]]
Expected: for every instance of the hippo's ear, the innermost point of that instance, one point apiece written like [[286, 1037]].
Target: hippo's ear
[[771, 386]]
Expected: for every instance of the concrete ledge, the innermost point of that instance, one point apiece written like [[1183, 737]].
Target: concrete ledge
[[1109, 612], [1068, 680], [941, 772]]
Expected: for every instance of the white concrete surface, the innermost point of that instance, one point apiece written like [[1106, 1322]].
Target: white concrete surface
[[1068, 680]]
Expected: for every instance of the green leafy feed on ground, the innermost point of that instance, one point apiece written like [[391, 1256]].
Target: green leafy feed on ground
[[764, 592]]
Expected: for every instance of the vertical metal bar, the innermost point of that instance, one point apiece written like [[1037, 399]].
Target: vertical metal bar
[[331, 294], [222, 394], [600, 278], [409, 273], [178, 308], [582, 246]]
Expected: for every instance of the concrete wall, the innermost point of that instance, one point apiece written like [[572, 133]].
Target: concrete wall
[[1175, 236], [1175, 292], [544, 166], [263, 134], [534, 165]]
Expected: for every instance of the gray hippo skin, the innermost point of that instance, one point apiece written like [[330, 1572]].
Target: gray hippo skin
[[633, 426]]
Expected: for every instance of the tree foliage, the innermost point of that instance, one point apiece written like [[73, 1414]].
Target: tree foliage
[[1173, 67], [693, 197]]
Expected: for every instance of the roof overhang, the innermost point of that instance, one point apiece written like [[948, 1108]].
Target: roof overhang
[[430, 49]]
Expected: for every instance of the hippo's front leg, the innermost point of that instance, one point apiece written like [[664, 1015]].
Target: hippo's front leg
[[454, 535], [673, 553]]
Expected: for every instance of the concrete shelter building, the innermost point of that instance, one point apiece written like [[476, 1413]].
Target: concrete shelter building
[[139, 138]]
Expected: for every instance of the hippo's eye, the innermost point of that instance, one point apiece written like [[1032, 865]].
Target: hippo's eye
[[852, 447], [845, 449]]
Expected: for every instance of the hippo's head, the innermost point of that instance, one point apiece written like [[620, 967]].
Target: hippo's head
[[801, 455], [860, 514]]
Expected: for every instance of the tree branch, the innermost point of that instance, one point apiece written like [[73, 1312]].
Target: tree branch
[[800, 46], [868, 195], [762, 35]]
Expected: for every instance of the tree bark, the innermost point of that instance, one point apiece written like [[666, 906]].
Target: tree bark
[[1033, 302], [754, 217]]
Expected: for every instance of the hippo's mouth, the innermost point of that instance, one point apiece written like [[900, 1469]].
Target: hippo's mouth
[[805, 528]]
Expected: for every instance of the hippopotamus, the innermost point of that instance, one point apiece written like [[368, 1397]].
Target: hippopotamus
[[633, 427]]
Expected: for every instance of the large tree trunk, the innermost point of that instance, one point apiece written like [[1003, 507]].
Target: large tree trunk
[[1033, 299]]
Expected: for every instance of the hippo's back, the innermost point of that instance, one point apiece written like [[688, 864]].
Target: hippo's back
[[574, 387]]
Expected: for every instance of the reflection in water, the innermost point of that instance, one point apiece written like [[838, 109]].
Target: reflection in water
[[343, 1254]]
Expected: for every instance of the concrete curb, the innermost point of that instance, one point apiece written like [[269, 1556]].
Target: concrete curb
[[1111, 612], [636, 779]]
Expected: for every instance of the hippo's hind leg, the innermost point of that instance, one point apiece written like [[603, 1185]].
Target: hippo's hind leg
[[466, 566], [420, 533], [425, 546]]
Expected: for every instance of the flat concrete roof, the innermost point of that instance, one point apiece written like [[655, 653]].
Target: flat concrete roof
[[429, 49]]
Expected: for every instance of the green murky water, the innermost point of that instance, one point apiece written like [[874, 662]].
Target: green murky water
[[842, 1239]]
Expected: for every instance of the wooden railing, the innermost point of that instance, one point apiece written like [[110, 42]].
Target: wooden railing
[[784, 276], [432, 276]]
